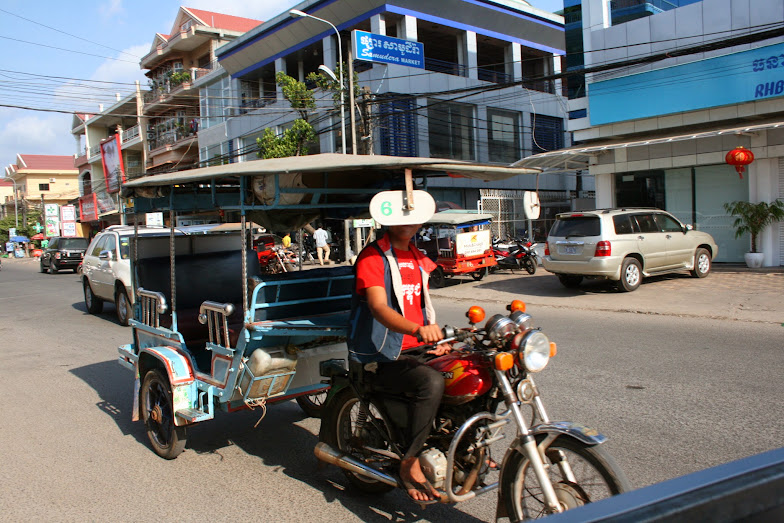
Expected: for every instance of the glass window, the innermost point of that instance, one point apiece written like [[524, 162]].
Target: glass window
[[576, 226], [110, 245], [503, 135], [450, 130], [100, 241], [646, 223], [667, 223], [125, 247], [624, 224], [53, 243], [43, 186], [73, 243], [547, 133], [397, 119]]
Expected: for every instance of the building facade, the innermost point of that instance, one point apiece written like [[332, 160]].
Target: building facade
[[667, 96], [478, 95]]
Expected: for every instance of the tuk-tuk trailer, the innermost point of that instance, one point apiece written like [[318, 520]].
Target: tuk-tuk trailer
[[210, 330], [460, 244]]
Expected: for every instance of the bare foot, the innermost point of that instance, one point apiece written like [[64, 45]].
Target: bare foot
[[416, 483]]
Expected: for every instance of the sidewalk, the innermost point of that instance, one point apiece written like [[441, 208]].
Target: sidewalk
[[731, 292]]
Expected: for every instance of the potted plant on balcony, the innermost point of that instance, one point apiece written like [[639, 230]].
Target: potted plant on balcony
[[753, 218]]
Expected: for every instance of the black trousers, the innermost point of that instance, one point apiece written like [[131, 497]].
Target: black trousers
[[423, 384]]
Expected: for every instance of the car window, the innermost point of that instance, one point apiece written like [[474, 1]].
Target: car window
[[110, 245], [98, 246], [53, 243], [624, 224], [667, 223], [646, 223], [125, 247], [73, 243], [576, 226]]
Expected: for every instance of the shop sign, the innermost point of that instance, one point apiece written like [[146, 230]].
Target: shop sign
[[88, 208], [387, 50]]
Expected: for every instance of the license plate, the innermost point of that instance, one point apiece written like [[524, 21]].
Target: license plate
[[570, 250]]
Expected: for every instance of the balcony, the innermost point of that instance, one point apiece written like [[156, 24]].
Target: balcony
[[130, 134], [95, 150], [248, 105], [201, 72], [441, 66], [488, 75], [175, 137]]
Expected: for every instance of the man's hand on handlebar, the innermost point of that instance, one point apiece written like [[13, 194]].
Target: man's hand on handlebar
[[429, 333], [442, 349]]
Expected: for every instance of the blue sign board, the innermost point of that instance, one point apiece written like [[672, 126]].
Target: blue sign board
[[385, 49], [725, 80]]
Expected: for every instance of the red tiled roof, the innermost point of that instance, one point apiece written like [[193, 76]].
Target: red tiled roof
[[6, 183], [221, 21], [47, 162]]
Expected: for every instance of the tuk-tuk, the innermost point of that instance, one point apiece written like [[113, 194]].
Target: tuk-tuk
[[210, 329], [460, 243]]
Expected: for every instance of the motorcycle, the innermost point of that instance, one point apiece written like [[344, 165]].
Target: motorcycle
[[519, 255], [549, 466]]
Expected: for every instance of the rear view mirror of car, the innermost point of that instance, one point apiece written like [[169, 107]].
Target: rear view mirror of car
[[106, 256]]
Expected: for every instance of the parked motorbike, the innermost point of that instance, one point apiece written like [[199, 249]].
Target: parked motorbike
[[549, 466], [518, 255]]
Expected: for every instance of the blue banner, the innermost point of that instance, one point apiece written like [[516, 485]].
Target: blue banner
[[713, 82], [385, 49]]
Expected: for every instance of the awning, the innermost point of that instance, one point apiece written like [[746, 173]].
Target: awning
[[329, 162], [581, 156]]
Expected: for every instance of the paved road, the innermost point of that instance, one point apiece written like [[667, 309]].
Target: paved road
[[675, 394]]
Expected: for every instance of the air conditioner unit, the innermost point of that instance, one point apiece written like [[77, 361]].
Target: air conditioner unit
[[52, 180]]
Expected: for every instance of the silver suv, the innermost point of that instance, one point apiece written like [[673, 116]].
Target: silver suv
[[106, 269], [624, 245]]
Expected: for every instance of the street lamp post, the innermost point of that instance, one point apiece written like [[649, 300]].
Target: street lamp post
[[302, 14], [16, 205]]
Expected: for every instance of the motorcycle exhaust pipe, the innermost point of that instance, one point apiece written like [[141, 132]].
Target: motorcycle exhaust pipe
[[329, 455]]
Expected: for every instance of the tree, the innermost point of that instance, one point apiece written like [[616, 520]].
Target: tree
[[752, 218], [293, 141]]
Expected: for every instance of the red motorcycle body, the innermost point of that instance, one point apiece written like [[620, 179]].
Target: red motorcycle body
[[466, 376]]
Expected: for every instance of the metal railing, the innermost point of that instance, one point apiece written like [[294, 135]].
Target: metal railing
[[171, 137], [153, 305], [488, 75], [255, 103], [215, 315], [441, 66], [94, 150], [664, 5], [130, 133]]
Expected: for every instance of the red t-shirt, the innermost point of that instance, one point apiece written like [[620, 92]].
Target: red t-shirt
[[370, 273]]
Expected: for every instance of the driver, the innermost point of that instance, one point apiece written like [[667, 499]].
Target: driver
[[390, 308]]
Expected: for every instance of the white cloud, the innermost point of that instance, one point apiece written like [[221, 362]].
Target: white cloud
[[124, 70], [110, 8], [34, 133]]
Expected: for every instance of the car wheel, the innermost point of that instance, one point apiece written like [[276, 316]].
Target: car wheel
[[631, 275], [124, 308], [43, 269], [478, 275], [570, 281], [52, 270], [94, 305], [702, 263]]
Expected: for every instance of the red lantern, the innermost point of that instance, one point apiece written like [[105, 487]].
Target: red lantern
[[740, 158]]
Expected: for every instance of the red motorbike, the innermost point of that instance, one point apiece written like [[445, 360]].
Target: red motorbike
[[549, 466]]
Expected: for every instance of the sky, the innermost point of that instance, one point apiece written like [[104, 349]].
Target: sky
[[64, 57]]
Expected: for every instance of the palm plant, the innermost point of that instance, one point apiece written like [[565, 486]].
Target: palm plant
[[752, 218]]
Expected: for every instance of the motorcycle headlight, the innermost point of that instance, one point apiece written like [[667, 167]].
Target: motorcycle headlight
[[499, 328], [522, 320], [535, 351]]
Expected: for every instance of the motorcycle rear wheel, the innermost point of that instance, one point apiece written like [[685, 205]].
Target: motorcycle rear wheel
[[596, 473], [342, 430]]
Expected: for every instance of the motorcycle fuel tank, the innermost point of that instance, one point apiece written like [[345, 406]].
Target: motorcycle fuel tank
[[465, 377]]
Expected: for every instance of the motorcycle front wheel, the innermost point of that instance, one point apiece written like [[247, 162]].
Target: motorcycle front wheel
[[346, 427], [530, 265], [595, 477]]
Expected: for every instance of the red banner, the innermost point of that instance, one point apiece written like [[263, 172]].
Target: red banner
[[113, 169], [88, 208]]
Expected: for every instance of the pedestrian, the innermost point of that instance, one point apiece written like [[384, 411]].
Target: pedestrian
[[322, 246], [287, 241]]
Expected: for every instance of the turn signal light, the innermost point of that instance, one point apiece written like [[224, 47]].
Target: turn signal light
[[547, 249], [516, 305], [475, 314], [504, 361], [553, 349]]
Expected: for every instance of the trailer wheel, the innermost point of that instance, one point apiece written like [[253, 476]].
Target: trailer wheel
[[167, 439], [478, 275]]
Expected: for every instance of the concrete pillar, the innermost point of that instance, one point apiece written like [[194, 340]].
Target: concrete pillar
[[556, 69], [407, 29], [513, 56], [378, 25], [467, 54], [300, 71], [329, 50], [280, 67]]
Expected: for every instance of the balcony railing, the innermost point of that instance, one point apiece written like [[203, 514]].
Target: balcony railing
[[204, 71], [130, 133], [488, 75], [664, 5], [441, 66], [171, 137], [94, 150], [543, 86], [255, 103]]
